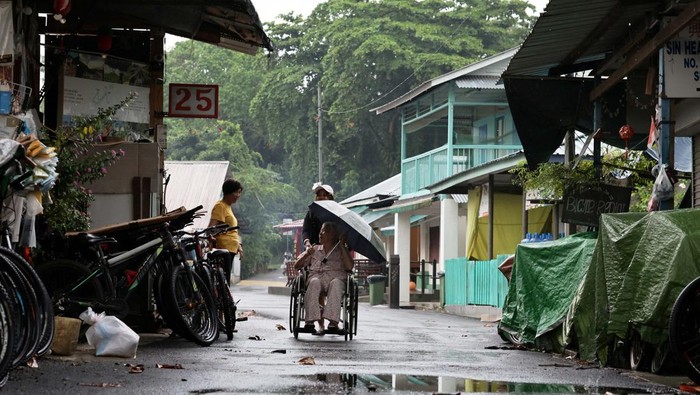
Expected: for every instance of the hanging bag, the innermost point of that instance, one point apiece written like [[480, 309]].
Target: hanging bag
[[663, 187]]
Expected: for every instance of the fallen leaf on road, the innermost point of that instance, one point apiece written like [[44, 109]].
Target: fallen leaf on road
[[307, 361], [281, 327], [256, 337], [248, 313], [32, 363], [101, 385], [279, 351], [690, 387], [134, 368], [167, 366]]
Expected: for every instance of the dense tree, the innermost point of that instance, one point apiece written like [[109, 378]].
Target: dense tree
[[364, 54]]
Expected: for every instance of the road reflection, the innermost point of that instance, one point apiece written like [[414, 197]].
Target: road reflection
[[385, 383]]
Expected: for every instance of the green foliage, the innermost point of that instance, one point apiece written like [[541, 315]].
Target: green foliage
[[80, 162], [550, 180]]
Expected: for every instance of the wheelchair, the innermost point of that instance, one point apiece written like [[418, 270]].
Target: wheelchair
[[348, 306]]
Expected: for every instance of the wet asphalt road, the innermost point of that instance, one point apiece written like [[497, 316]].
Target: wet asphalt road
[[395, 351]]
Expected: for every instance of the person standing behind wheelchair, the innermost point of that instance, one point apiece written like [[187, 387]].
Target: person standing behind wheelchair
[[222, 213], [329, 262], [312, 225]]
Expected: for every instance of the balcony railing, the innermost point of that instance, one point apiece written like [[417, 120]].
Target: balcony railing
[[433, 166]]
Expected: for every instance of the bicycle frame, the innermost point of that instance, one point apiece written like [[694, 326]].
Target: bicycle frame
[[103, 271]]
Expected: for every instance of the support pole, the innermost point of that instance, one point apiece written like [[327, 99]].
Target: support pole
[[320, 136], [665, 130]]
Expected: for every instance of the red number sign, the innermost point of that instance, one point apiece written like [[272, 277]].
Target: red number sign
[[193, 101]]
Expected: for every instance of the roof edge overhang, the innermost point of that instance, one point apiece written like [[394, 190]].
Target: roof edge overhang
[[447, 77], [461, 183]]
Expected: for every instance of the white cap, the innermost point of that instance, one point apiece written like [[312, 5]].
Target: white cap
[[325, 187]]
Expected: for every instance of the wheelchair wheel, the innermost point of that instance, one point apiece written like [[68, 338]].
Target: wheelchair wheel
[[355, 303], [296, 306], [350, 309], [347, 314], [292, 310], [298, 314]]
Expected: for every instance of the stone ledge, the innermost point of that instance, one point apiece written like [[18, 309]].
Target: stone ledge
[[279, 291]]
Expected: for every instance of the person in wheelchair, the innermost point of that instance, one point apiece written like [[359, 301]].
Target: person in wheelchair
[[328, 264]]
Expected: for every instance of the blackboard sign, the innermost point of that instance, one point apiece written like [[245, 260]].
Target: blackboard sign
[[584, 205]]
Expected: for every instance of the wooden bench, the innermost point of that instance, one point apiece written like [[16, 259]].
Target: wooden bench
[[364, 268]]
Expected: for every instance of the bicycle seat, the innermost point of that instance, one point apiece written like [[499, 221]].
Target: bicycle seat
[[91, 239]]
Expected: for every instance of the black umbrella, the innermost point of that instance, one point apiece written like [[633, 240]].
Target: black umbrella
[[359, 235]]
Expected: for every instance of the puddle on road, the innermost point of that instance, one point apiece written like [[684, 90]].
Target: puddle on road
[[366, 383]]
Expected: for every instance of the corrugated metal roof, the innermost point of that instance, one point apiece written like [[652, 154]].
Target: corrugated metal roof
[[389, 187], [573, 32], [460, 198], [491, 66], [479, 82], [193, 183]]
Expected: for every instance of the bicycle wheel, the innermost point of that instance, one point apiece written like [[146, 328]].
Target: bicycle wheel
[[58, 278], [640, 353], [224, 301], [194, 306], [8, 331], [684, 330], [44, 319], [25, 302], [164, 308]]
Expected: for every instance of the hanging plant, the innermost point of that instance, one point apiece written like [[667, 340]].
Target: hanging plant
[[550, 180]]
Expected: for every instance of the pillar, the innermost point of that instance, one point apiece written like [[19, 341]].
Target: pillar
[[402, 248]]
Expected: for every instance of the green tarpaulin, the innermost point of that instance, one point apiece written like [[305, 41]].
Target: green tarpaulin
[[599, 289], [543, 283], [640, 264]]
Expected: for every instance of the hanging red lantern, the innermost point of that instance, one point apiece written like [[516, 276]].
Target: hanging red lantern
[[104, 39], [626, 133], [61, 7]]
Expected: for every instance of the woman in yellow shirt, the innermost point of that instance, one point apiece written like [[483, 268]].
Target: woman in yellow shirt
[[222, 213]]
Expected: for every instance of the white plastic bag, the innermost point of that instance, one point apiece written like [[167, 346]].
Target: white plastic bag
[[109, 335], [663, 187]]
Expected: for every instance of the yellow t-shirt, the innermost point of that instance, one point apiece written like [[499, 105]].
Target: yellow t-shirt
[[222, 212]]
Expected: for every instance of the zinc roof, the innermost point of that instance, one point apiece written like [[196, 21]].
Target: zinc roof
[[479, 82], [573, 32], [193, 183], [491, 66]]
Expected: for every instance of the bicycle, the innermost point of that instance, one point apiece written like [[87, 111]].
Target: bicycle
[[684, 330], [26, 314], [213, 265], [181, 296]]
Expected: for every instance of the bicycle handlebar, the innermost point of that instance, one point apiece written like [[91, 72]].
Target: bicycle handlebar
[[211, 231]]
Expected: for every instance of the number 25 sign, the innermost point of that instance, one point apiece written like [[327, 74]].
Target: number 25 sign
[[193, 101]]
